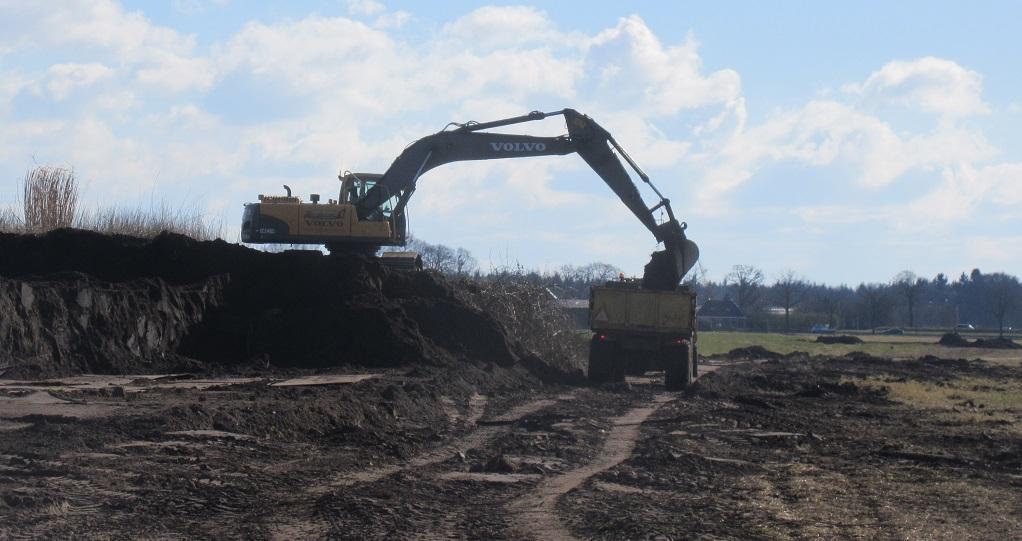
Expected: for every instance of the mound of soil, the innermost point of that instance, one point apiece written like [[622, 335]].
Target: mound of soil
[[88, 302], [996, 343], [954, 340], [838, 339], [753, 352]]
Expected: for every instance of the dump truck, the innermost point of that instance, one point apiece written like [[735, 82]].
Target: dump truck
[[636, 330]]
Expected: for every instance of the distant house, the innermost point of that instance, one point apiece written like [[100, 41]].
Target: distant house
[[720, 315], [578, 309]]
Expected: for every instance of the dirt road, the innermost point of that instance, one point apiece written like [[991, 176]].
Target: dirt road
[[787, 449]]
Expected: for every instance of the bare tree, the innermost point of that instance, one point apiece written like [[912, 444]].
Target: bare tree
[[1003, 294], [910, 286], [745, 282], [601, 272], [437, 257], [463, 262], [789, 288], [696, 277], [875, 302]]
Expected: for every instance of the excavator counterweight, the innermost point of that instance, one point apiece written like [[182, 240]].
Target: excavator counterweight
[[371, 210]]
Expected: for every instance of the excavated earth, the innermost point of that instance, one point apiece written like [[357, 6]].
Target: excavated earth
[[180, 390]]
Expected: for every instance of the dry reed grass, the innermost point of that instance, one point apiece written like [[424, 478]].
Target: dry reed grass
[[147, 223], [50, 198], [50, 201]]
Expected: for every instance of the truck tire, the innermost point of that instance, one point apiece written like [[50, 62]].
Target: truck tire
[[600, 361], [695, 362], [678, 371]]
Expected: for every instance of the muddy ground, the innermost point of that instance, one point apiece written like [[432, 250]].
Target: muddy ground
[[782, 449], [174, 389]]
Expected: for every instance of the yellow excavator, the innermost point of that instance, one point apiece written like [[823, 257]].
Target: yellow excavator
[[371, 209]]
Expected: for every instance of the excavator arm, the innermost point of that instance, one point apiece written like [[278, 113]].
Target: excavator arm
[[585, 137]]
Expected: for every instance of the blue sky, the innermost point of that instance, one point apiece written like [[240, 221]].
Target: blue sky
[[846, 142]]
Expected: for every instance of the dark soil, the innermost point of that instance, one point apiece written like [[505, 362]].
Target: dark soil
[[792, 448], [797, 449], [838, 339], [996, 343], [86, 302], [955, 340], [752, 352]]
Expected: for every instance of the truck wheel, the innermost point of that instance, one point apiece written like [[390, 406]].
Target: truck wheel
[[599, 361], [678, 373], [695, 362]]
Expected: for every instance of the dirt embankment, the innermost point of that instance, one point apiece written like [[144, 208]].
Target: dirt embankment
[[955, 340], [78, 301]]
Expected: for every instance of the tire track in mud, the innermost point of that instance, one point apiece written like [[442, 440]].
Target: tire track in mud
[[534, 515], [480, 436], [302, 521]]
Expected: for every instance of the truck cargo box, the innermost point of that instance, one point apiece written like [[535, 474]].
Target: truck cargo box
[[639, 310]]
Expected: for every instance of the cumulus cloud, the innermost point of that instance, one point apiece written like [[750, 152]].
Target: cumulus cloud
[[634, 69], [63, 78], [507, 27], [931, 85], [850, 136], [157, 54]]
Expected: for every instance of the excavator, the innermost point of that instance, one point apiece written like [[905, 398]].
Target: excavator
[[371, 209]]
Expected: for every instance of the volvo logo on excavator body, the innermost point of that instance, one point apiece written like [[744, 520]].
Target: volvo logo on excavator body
[[518, 147]]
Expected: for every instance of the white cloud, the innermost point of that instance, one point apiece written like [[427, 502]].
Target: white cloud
[[392, 21], [161, 55], [634, 70], [505, 27], [196, 7], [365, 7], [931, 85], [851, 137], [63, 78], [10, 85]]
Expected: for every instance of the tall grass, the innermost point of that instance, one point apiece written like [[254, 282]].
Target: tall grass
[[50, 201], [50, 197], [148, 223], [10, 222]]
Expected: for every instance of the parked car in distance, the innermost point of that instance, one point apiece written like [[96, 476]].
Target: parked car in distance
[[821, 328], [964, 327], [890, 331]]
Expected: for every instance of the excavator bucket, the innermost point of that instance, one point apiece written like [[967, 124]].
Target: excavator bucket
[[666, 267]]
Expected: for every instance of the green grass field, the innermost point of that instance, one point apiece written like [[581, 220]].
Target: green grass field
[[900, 347]]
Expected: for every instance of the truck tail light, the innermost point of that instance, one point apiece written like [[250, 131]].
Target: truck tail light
[[601, 337]]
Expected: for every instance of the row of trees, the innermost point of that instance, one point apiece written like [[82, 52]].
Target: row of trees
[[790, 301], [990, 300]]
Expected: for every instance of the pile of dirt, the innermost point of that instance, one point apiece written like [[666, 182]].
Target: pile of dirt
[[996, 343], [753, 352], [954, 340], [89, 302], [838, 339]]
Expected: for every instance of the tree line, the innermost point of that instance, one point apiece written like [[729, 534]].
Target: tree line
[[791, 302]]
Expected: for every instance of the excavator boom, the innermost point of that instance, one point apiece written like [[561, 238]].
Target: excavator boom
[[585, 137], [371, 208]]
